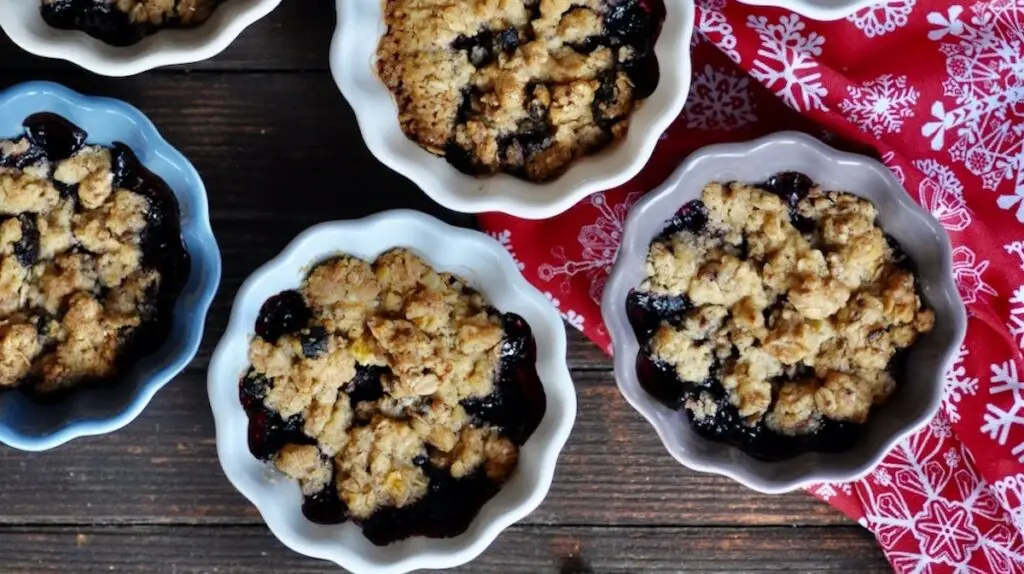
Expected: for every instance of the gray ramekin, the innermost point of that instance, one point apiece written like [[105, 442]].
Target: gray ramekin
[[922, 237]]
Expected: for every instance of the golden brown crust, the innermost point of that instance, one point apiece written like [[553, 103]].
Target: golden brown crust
[[82, 288], [833, 302], [441, 345], [512, 90]]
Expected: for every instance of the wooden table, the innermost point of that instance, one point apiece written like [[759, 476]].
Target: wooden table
[[279, 150]]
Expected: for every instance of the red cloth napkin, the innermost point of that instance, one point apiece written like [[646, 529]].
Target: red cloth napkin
[[936, 90]]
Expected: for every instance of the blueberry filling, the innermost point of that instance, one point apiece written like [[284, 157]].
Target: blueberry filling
[[53, 139], [516, 406], [104, 21]]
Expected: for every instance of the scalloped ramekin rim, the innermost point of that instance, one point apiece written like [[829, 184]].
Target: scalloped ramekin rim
[[353, 51], [738, 468], [26, 28], [204, 252], [823, 10], [280, 512]]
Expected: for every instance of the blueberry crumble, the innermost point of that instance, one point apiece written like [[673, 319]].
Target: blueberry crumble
[[518, 86], [91, 259], [776, 315], [394, 394], [125, 22]]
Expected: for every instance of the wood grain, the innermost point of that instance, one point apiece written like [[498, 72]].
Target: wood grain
[[519, 550]]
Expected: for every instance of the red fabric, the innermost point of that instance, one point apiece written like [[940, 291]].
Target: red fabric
[[936, 90]]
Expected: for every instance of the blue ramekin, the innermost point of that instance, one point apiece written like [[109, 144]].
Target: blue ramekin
[[30, 425]]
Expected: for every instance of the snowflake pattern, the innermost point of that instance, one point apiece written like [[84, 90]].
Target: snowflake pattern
[[1009, 493], [571, 317], [504, 237], [930, 509], [600, 242], [985, 65], [1016, 322], [1016, 248], [943, 194], [889, 159], [719, 100], [881, 18], [786, 61], [880, 105], [968, 275], [957, 384], [826, 490], [712, 26], [999, 422]]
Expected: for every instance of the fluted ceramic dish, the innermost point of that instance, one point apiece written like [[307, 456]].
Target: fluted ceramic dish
[[353, 63], [922, 237], [23, 23], [486, 266], [819, 9], [30, 425]]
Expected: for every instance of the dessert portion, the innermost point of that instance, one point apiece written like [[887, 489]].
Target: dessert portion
[[125, 22], [776, 315], [395, 395], [519, 86], [91, 259]]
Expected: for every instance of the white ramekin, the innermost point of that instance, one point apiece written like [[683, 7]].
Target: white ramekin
[[920, 236], [486, 266], [23, 23], [817, 9], [353, 62]]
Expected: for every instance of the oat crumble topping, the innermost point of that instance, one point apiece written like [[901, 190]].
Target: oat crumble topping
[[75, 283], [125, 22], [377, 370], [787, 311], [517, 86]]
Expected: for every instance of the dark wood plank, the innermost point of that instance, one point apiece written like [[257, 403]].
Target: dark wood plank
[[295, 36], [163, 469], [519, 550]]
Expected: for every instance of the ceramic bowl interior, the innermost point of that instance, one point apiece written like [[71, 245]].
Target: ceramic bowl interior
[[353, 58], [22, 22], [913, 404], [31, 425], [487, 267], [817, 9]]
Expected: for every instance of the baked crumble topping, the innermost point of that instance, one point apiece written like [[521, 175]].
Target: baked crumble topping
[[125, 22], [91, 258], [394, 394], [517, 86], [776, 315]]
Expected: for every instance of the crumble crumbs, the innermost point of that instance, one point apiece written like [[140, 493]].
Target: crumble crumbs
[[517, 86], [434, 342], [813, 315]]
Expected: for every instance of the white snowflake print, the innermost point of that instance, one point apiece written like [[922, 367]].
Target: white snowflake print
[[786, 61], [999, 422], [943, 194], [1016, 322], [504, 237], [713, 27], [965, 530], [826, 490], [1016, 248], [889, 159], [571, 317], [880, 105], [599, 242], [957, 385], [985, 122], [1010, 494], [968, 275], [883, 17], [719, 100]]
